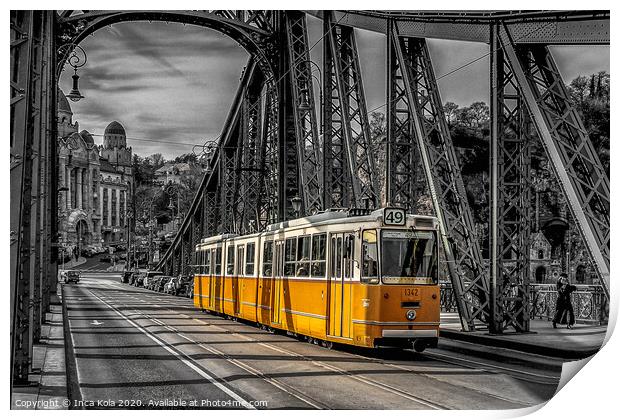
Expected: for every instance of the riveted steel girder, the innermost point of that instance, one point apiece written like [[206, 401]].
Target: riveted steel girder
[[574, 160], [580, 27], [409, 60], [509, 221], [349, 167]]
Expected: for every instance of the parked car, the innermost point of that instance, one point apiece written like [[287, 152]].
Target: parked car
[[169, 286], [161, 283], [87, 252], [149, 277], [105, 258], [139, 279], [181, 284], [72, 276], [126, 276]]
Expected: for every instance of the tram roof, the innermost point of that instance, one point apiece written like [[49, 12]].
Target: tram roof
[[331, 215]]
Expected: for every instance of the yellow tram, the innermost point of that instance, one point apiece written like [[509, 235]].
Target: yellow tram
[[364, 278]]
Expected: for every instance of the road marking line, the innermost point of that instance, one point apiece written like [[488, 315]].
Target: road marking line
[[237, 363], [194, 366], [358, 378]]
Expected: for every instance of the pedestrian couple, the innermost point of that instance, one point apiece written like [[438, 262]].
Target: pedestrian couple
[[564, 313]]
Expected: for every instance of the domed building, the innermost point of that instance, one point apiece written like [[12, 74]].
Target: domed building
[[98, 181]]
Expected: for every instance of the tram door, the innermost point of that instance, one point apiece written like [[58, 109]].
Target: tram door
[[236, 283], [211, 279], [340, 275], [276, 289]]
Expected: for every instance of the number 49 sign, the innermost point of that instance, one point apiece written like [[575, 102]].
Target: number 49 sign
[[394, 217]]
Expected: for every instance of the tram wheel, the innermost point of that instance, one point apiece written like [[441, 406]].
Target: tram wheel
[[327, 344]]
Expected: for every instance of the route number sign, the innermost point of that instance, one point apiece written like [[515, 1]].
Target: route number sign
[[394, 217]]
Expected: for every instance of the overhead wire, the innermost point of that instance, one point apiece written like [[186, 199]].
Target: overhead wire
[[467, 64]]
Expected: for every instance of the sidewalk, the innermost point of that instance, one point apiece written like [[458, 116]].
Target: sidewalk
[[580, 342], [73, 263], [49, 382]]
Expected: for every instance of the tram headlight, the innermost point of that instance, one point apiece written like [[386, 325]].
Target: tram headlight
[[411, 314]]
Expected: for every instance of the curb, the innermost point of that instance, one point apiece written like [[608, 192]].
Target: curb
[[495, 341], [73, 388]]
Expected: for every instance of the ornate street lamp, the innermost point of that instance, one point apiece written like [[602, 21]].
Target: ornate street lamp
[[304, 104], [296, 203], [77, 58]]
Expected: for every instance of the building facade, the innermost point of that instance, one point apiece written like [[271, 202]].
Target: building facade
[[98, 183]]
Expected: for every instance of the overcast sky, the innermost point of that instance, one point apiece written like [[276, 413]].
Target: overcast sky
[[174, 83]]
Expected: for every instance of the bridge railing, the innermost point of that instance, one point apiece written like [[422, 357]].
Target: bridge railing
[[589, 302]]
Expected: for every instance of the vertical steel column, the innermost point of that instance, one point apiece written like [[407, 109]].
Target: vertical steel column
[[22, 30], [35, 203], [440, 164], [509, 221], [402, 154], [345, 100], [249, 171], [228, 179], [573, 158], [211, 213], [49, 245], [337, 191], [269, 161], [302, 91], [288, 178]]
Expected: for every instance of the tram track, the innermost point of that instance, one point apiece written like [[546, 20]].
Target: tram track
[[294, 392], [187, 311], [357, 377]]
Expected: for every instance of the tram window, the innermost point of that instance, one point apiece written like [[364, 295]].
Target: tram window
[[370, 267], [303, 256], [249, 259], [408, 257], [290, 257], [206, 268], [217, 260], [318, 255], [338, 257], [267, 258], [230, 259], [349, 245]]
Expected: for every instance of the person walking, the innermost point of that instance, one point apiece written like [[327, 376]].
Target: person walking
[[564, 312]]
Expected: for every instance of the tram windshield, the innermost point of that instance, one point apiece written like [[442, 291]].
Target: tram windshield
[[408, 257]]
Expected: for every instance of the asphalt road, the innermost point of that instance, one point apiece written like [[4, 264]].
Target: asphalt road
[[137, 348]]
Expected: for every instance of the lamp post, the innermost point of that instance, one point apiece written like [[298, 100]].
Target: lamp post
[[169, 190], [129, 243], [296, 203], [305, 105], [77, 58]]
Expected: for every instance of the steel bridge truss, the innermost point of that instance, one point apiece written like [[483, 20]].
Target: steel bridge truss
[[272, 150], [415, 117]]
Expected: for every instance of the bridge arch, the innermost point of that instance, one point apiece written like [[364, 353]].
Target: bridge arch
[[74, 29]]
